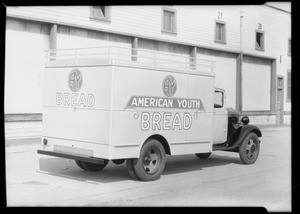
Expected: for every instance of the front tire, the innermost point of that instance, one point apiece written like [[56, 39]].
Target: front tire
[[249, 149], [94, 166], [152, 161]]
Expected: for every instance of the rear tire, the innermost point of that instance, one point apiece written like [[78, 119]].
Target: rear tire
[[130, 168], [79, 163], [152, 161], [203, 155], [118, 161], [249, 149], [94, 166]]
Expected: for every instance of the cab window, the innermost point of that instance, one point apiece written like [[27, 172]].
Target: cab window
[[219, 99]]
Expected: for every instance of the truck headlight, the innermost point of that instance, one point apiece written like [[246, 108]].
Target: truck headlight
[[245, 120]]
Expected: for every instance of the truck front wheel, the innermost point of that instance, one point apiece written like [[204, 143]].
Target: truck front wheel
[[152, 161], [249, 149]]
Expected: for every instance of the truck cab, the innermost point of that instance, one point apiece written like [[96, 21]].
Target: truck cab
[[232, 131]]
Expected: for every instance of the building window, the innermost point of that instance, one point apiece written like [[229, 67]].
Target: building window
[[100, 13], [289, 86], [259, 40], [168, 20], [289, 47], [220, 32]]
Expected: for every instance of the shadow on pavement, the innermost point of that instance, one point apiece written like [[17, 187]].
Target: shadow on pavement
[[112, 173], [188, 163], [68, 168]]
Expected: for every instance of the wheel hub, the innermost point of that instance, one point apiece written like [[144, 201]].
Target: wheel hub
[[250, 149], [147, 160], [150, 161]]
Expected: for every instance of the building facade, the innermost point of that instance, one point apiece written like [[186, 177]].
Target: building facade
[[250, 44]]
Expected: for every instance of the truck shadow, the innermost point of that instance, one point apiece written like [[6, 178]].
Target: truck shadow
[[188, 163], [113, 173], [68, 169]]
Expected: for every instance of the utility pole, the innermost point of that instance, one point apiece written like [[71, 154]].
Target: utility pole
[[240, 69]]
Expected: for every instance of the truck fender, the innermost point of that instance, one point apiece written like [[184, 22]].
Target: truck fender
[[239, 135], [245, 130], [161, 139]]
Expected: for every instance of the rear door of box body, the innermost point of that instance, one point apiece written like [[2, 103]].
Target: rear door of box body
[[77, 109]]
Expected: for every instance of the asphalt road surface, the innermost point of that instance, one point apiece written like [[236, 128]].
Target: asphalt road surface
[[221, 180]]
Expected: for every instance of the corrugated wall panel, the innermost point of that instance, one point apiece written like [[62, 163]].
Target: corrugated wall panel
[[225, 70], [256, 84], [24, 63], [69, 37]]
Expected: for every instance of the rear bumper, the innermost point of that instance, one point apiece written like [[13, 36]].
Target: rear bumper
[[71, 156]]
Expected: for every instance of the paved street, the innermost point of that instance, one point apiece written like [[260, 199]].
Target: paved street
[[221, 180]]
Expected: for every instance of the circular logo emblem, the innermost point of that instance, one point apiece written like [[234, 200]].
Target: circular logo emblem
[[169, 86], [75, 80]]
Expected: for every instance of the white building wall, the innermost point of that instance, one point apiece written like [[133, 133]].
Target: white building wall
[[69, 37], [263, 120], [24, 64], [195, 27], [195, 24], [225, 70], [256, 84], [23, 129]]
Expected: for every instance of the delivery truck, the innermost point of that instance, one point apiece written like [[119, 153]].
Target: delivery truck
[[137, 106]]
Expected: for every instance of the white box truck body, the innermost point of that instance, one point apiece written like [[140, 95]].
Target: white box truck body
[[100, 108]]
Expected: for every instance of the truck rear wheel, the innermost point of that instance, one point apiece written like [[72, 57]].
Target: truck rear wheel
[[79, 163], [152, 161], [130, 168], [118, 161], [249, 149], [203, 155], [94, 166]]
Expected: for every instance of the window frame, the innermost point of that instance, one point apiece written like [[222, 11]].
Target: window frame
[[288, 96], [106, 18], [173, 31], [263, 40], [222, 97], [289, 47], [223, 34]]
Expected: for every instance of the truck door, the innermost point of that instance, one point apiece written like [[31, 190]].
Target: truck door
[[220, 118]]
